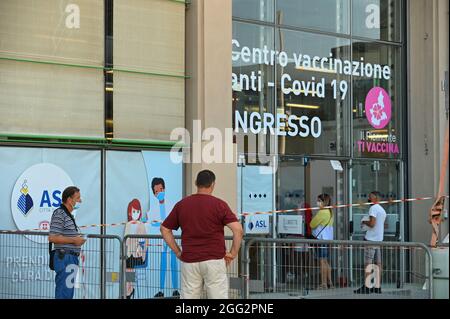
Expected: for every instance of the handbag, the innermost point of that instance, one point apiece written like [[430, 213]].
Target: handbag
[[311, 236], [51, 253], [316, 247]]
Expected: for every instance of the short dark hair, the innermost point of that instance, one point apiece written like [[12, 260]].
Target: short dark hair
[[325, 198], [69, 192], [377, 194], [205, 179], [157, 181]]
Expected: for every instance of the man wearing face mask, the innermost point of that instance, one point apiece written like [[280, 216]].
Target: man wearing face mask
[[372, 254], [65, 235], [159, 188]]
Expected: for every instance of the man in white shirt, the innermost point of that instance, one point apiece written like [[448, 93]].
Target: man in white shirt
[[372, 254]]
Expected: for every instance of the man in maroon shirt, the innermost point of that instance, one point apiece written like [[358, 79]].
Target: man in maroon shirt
[[203, 256]]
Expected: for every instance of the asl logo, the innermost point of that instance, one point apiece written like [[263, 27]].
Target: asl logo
[[260, 224], [36, 194], [25, 202], [257, 224]]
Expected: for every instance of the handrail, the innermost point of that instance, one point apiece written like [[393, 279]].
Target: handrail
[[316, 242]]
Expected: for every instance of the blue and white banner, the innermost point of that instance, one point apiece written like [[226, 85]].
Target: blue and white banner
[[143, 187], [257, 196], [32, 182]]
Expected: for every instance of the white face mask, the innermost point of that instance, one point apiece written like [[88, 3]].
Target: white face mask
[[76, 205], [319, 204], [135, 214]]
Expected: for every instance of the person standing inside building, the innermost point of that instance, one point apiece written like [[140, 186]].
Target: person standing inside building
[[64, 234], [203, 256], [372, 254], [322, 229]]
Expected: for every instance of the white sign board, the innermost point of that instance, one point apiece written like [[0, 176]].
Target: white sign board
[[256, 195], [257, 224], [337, 166], [290, 224]]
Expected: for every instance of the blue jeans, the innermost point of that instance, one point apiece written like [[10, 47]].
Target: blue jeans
[[322, 253], [66, 268]]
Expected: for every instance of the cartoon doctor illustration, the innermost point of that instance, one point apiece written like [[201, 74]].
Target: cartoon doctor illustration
[[158, 188]]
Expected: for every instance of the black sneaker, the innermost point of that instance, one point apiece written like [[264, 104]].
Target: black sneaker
[[363, 290], [160, 294], [131, 295], [175, 293], [375, 290]]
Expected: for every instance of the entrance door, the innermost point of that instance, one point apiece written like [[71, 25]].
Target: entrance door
[[384, 177], [300, 180], [323, 178]]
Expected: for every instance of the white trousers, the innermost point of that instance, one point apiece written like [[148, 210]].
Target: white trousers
[[210, 273]]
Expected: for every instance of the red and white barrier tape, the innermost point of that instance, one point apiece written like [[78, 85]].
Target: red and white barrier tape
[[389, 202], [395, 201]]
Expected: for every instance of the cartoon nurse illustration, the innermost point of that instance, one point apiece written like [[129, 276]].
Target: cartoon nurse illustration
[[136, 248], [158, 188]]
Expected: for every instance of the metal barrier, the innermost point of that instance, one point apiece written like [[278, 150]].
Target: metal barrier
[[141, 266], [151, 268], [100, 268], [25, 274], [153, 271], [296, 268]]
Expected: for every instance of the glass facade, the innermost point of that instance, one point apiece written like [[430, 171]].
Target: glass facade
[[334, 15], [384, 54], [331, 111], [332, 83], [94, 68], [378, 19]]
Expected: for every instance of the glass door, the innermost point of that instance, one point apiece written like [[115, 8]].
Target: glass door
[[299, 182], [384, 177], [301, 179]]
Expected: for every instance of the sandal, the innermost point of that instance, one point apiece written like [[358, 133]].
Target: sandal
[[322, 287]]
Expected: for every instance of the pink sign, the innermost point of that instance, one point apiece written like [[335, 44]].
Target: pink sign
[[378, 107]]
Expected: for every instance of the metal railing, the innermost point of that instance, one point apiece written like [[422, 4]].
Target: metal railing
[[25, 272], [142, 266], [153, 271], [336, 269]]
